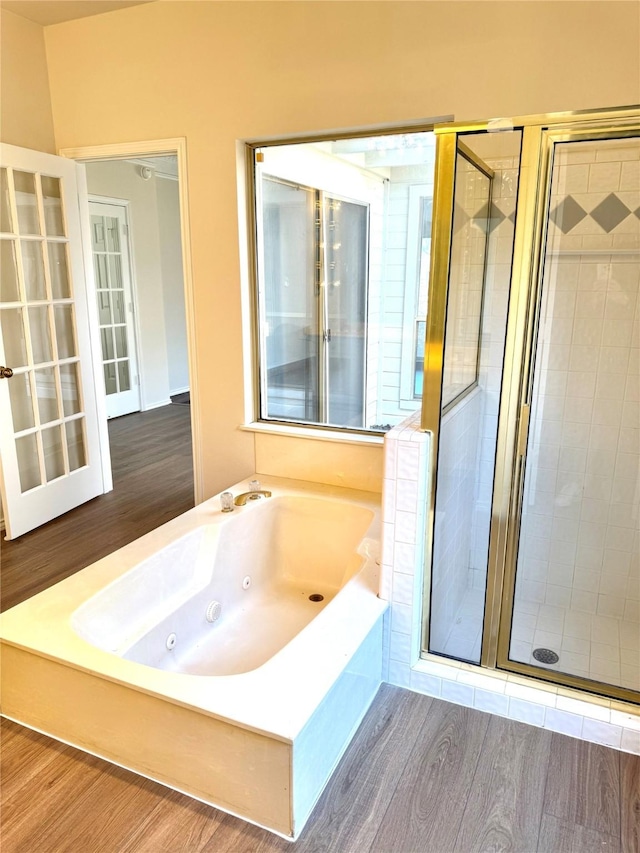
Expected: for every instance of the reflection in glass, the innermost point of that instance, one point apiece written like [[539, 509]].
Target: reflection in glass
[[26, 202], [418, 371], [97, 234], [5, 210], [21, 402], [75, 444], [51, 197], [123, 376], [33, 266], [28, 464], [60, 287], [40, 334], [115, 271], [106, 338], [113, 234], [121, 341], [100, 267], [118, 307], [290, 302], [13, 336], [346, 229], [70, 385], [47, 395], [466, 279], [53, 453], [110, 381], [104, 308], [64, 331], [9, 274]]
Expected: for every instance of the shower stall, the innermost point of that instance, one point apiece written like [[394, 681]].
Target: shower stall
[[532, 395]]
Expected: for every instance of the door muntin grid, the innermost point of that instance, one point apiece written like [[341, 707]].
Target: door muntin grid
[[38, 332], [108, 260]]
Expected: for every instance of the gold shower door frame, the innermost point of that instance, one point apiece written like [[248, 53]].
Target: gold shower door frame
[[539, 135]]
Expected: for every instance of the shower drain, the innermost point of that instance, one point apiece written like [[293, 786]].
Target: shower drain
[[545, 656]]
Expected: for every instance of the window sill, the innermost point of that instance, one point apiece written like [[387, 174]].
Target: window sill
[[294, 431]]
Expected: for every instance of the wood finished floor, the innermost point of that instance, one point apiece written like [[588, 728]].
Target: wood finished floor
[[153, 482], [420, 776]]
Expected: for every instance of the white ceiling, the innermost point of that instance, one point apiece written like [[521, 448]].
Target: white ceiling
[[46, 12]]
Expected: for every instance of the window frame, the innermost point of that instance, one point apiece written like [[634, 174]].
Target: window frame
[[251, 153]]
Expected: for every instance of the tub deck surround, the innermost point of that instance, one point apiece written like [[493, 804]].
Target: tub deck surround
[[261, 744]]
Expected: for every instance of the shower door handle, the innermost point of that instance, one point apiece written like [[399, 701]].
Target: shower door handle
[[523, 430], [6, 373]]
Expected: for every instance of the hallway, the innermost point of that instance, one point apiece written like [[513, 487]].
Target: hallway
[[153, 482]]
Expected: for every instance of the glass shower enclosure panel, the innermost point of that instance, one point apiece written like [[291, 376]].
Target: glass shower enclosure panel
[[483, 197], [577, 588]]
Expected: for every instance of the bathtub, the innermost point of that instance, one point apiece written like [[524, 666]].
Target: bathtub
[[230, 656]]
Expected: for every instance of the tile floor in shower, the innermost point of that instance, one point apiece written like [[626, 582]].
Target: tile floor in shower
[[602, 648]]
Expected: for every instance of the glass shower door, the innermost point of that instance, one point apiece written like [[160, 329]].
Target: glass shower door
[[576, 608], [458, 571]]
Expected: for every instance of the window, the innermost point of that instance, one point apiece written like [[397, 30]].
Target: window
[[343, 232]]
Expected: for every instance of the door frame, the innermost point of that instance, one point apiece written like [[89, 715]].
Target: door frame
[[125, 151], [124, 204]]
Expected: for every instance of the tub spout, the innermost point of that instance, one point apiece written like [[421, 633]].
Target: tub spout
[[253, 495]]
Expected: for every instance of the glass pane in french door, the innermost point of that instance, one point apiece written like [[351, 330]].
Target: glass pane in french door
[[37, 325], [346, 229], [290, 302], [577, 595], [108, 265]]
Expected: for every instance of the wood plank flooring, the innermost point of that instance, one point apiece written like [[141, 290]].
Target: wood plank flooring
[[421, 775], [153, 482]]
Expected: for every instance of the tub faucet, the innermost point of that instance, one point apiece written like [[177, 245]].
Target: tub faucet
[[255, 493]]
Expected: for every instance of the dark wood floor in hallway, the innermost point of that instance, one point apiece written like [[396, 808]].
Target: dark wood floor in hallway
[[421, 775], [153, 482]]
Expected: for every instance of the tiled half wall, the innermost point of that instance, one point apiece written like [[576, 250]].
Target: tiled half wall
[[405, 500]]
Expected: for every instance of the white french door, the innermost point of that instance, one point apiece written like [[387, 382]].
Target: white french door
[[50, 449], [112, 270]]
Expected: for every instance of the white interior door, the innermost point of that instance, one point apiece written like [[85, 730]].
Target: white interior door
[[112, 269], [50, 449]]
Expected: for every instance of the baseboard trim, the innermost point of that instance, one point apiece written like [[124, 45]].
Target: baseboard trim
[[158, 405]]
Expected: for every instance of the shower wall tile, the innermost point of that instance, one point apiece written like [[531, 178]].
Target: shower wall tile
[[566, 711]]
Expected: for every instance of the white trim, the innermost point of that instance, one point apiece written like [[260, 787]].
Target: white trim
[[94, 327], [133, 325], [174, 391], [156, 405], [106, 199], [298, 431], [177, 146]]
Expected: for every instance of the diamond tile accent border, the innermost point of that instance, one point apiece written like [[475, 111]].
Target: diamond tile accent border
[[610, 212], [567, 214]]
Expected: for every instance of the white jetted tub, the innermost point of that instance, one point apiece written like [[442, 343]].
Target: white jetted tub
[[230, 656]]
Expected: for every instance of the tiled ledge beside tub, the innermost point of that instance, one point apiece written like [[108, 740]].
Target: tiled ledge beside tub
[[571, 712]]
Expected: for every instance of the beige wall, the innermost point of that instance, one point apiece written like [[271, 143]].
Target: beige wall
[[216, 72], [25, 105]]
